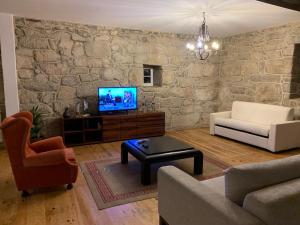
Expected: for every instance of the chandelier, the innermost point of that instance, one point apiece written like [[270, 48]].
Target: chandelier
[[203, 46]]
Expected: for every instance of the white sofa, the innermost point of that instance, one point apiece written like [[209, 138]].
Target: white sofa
[[267, 126]]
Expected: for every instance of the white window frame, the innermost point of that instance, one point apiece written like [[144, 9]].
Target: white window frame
[[151, 76]]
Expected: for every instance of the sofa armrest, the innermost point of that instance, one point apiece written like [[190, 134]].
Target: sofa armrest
[[284, 136], [183, 200], [48, 144], [213, 116]]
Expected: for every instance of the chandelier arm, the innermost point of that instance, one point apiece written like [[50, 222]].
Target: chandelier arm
[[201, 48], [206, 57]]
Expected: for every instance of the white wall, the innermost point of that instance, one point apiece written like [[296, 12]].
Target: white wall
[[8, 52]]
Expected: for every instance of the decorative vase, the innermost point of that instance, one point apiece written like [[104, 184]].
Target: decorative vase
[[66, 113]]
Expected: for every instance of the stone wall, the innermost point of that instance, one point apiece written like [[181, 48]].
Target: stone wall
[[2, 101], [60, 63], [262, 66]]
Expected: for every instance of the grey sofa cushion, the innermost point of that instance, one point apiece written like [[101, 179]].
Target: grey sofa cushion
[[276, 205], [241, 180]]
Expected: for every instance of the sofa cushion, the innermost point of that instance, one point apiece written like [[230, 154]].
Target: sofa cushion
[[243, 179], [249, 127], [276, 205], [261, 113]]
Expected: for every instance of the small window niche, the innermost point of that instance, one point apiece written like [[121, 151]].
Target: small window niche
[[152, 75]]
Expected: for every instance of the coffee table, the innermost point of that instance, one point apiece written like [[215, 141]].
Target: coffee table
[[159, 149]]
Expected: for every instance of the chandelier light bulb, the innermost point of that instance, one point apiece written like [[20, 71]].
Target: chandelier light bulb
[[215, 45], [206, 47], [188, 45], [199, 44], [192, 47]]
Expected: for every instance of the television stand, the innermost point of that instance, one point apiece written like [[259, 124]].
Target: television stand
[[112, 127]]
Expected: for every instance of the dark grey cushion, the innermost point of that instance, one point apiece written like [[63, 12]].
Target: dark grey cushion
[[276, 205], [241, 180]]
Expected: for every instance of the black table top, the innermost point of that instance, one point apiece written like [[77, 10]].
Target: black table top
[[159, 145]]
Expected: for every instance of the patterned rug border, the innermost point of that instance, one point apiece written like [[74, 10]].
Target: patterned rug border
[[103, 187], [105, 192]]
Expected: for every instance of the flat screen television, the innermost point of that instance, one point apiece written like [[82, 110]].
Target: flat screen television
[[117, 99]]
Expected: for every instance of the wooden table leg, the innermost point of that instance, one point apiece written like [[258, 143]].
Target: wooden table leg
[[124, 154], [146, 173], [198, 163]]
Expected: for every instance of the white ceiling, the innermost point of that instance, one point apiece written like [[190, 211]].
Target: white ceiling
[[224, 17]]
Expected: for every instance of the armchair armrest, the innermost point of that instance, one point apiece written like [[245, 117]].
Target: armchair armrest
[[213, 116], [183, 200], [284, 136], [48, 144], [50, 158]]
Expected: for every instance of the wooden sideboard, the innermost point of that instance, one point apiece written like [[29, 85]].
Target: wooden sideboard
[[115, 127]]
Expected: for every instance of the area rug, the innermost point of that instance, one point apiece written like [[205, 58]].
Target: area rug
[[112, 183]]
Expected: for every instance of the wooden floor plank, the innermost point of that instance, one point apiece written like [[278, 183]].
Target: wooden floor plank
[[77, 207]]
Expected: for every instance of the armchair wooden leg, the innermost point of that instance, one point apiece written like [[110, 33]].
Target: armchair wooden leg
[[25, 194], [162, 221], [69, 186]]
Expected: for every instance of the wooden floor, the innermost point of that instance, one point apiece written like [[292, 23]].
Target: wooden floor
[[59, 207]]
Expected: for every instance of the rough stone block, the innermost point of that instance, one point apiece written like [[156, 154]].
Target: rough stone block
[[40, 83], [238, 90], [70, 80], [79, 70], [206, 94], [25, 62], [279, 66], [94, 63], [46, 56], [88, 89], [231, 69], [66, 93], [184, 121], [33, 42], [27, 96], [89, 77], [81, 61], [55, 68], [47, 97], [25, 73], [113, 74], [98, 49], [65, 44], [249, 68], [265, 78], [268, 93], [77, 49]]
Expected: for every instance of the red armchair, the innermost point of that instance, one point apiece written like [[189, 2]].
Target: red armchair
[[41, 164]]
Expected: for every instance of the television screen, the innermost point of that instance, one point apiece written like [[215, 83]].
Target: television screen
[[117, 98]]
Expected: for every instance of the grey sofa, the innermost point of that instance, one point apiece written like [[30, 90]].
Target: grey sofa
[[252, 194]]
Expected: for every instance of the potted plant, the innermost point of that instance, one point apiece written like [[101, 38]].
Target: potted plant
[[36, 124]]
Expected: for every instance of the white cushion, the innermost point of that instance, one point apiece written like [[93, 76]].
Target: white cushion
[[252, 128], [261, 113]]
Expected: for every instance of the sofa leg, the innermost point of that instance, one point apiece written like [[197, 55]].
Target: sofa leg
[[162, 221], [69, 186], [25, 194]]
